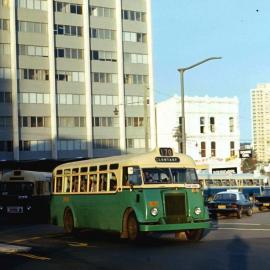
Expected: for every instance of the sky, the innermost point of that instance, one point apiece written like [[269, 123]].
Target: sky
[[188, 31]]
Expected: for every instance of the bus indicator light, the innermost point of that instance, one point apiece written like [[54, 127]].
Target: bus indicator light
[[153, 203]]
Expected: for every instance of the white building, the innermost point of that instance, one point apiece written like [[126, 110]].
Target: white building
[[260, 99], [212, 127]]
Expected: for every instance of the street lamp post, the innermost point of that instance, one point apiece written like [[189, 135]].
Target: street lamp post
[[181, 71]]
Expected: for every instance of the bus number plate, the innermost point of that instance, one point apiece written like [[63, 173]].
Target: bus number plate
[[15, 209]]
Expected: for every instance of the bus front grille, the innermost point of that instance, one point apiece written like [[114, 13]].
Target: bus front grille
[[175, 208]]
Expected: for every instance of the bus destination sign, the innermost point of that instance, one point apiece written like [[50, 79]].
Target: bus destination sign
[[167, 159]]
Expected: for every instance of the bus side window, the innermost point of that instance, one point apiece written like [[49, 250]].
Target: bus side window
[[103, 182], [75, 183], [93, 183], [59, 184], [40, 188], [67, 184], [113, 181], [83, 185]]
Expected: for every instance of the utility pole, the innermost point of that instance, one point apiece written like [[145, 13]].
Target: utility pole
[[146, 124]]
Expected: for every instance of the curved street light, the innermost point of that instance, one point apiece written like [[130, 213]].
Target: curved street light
[[181, 71]]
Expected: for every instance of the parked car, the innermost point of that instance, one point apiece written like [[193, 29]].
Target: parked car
[[263, 201], [228, 202]]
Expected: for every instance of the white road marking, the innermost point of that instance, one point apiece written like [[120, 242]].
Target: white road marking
[[4, 248], [247, 224], [243, 229]]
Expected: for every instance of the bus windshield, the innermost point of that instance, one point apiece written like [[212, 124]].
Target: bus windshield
[[169, 176], [7, 188]]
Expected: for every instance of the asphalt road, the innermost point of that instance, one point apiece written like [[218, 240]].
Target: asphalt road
[[230, 244]]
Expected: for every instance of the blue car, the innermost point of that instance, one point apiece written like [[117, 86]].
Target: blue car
[[229, 202], [263, 201]]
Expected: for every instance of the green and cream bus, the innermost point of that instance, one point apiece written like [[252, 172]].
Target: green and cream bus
[[131, 194]]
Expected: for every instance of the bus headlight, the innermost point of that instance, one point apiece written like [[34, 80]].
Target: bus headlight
[[197, 210], [28, 208], [1, 207], [154, 211]]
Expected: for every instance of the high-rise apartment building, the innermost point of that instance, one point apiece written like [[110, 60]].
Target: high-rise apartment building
[[260, 100], [75, 78]]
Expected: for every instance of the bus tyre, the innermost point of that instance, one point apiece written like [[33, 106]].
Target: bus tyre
[[68, 221], [249, 212], [194, 235], [239, 213], [132, 228]]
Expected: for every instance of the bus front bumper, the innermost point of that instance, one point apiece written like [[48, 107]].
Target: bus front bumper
[[174, 227]]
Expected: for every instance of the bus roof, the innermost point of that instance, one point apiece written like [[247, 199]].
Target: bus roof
[[152, 158], [19, 175]]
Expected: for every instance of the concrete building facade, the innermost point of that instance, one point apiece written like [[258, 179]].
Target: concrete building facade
[[212, 127], [260, 110], [76, 78]]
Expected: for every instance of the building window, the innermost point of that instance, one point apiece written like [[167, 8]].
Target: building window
[[105, 100], [133, 15], [135, 79], [232, 149], [5, 121], [67, 30], [70, 122], [4, 3], [33, 74], [99, 77], [34, 98], [32, 4], [35, 146], [134, 37], [4, 49], [5, 97], [135, 143], [6, 146], [212, 124], [102, 33], [70, 99], [71, 145], [106, 143], [134, 100], [134, 121], [105, 121], [213, 149], [104, 56], [135, 58], [64, 7], [69, 53], [35, 121], [231, 124], [102, 11], [4, 24], [32, 50], [203, 149], [202, 125], [32, 27], [70, 76]]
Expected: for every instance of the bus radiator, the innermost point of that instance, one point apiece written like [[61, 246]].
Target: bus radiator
[[175, 208]]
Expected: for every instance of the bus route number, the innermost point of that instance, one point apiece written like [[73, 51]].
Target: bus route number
[[166, 152]]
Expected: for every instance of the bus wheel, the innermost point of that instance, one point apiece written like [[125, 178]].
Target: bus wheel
[[132, 227], [68, 221], [194, 235]]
